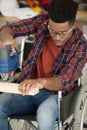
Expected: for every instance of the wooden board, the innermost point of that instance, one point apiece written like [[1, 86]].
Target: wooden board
[[13, 88]]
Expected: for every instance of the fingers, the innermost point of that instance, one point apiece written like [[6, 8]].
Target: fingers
[[13, 50], [10, 42], [28, 86], [24, 87]]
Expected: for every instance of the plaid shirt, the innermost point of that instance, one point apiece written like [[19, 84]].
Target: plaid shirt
[[68, 65]]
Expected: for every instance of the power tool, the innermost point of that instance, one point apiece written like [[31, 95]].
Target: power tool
[[8, 63]]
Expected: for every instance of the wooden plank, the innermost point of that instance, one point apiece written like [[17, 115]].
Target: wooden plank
[[13, 88]]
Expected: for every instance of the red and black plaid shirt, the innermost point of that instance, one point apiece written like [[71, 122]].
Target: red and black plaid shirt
[[68, 65]]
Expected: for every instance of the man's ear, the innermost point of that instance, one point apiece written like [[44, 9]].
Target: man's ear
[[75, 24]]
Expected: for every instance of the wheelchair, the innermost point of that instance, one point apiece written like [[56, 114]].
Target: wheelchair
[[72, 108]]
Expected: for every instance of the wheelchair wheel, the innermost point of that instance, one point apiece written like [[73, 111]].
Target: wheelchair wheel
[[83, 121], [80, 115]]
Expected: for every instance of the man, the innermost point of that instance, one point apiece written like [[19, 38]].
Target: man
[[54, 64]]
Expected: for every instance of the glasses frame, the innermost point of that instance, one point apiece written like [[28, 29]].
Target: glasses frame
[[62, 33]]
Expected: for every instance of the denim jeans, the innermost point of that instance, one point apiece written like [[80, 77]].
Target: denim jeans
[[43, 104]]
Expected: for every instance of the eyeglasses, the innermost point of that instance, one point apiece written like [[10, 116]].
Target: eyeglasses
[[62, 33]]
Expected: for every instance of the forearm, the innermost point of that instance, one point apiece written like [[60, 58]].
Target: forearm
[[53, 83], [6, 37]]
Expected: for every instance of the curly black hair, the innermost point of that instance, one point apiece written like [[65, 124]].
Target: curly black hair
[[62, 10]]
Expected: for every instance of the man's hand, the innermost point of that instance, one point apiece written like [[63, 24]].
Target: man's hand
[[27, 86], [10, 42], [53, 84], [6, 38]]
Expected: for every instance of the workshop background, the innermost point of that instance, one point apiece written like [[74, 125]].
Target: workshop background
[[21, 9]]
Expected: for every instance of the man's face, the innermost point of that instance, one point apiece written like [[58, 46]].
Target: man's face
[[60, 32]]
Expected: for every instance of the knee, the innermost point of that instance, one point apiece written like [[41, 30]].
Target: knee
[[44, 114], [47, 111], [45, 119], [41, 114]]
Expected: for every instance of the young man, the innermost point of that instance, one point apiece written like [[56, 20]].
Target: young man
[[54, 64]]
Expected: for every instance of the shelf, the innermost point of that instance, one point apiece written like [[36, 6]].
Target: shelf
[[82, 15]]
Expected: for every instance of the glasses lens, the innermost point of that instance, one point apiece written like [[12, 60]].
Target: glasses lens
[[63, 33]]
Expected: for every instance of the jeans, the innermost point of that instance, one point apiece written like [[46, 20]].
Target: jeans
[[43, 104]]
